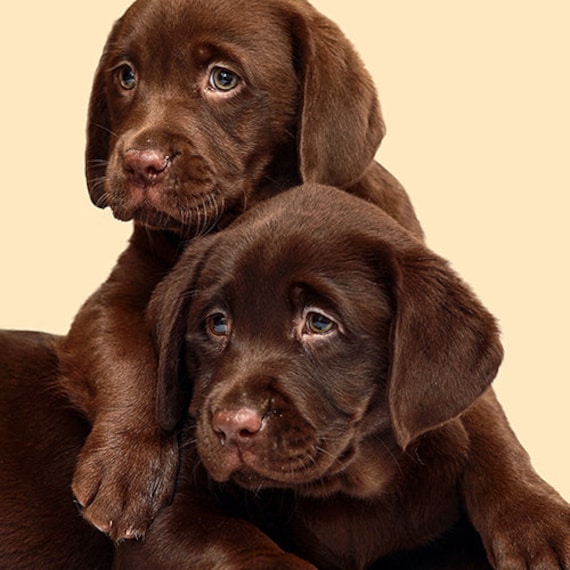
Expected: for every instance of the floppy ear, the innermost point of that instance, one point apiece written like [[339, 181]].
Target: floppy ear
[[445, 346], [341, 124], [99, 129], [167, 314]]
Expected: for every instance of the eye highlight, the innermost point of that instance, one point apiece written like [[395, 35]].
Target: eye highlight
[[319, 324], [222, 79], [126, 77], [218, 325]]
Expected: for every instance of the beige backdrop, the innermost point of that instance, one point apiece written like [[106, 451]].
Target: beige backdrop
[[476, 97]]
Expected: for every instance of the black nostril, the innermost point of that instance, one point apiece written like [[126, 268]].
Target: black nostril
[[145, 167]]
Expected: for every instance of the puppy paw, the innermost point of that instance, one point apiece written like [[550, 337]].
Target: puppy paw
[[123, 478], [534, 534]]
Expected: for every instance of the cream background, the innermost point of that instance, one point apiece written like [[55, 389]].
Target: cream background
[[476, 97]]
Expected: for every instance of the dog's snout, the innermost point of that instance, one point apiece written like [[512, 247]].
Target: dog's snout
[[237, 426], [145, 167]]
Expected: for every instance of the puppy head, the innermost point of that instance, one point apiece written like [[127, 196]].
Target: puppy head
[[192, 109], [310, 331]]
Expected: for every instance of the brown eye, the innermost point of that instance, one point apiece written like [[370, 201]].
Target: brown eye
[[222, 79], [127, 77], [218, 325], [317, 323]]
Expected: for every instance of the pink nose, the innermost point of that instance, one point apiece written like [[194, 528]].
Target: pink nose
[[145, 167], [237, 426]]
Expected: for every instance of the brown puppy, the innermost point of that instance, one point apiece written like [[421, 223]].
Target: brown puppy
[[195, 115], [40, 437], [339, 374]]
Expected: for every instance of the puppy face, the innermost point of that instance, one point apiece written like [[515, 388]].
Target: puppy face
[[193, 110], [317, 335], [291, 372]]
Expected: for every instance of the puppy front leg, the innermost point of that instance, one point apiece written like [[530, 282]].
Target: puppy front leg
[[524, 523], [126, 469]]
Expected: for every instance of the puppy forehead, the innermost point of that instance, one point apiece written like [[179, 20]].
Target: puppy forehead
[[251, 23], [332, 242], [269, 269]]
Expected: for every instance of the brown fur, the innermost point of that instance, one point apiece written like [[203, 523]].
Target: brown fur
[[40, 437], [345, 448], [180, 158]]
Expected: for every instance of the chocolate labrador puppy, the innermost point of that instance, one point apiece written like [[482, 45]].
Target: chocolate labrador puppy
[[338, 375], [195, 115]]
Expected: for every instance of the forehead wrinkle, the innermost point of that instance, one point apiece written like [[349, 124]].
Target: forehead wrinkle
[[211, 18], [267, 272]]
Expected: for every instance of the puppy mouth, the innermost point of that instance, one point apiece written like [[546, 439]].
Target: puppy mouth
[[306, 477], [170, 206], [188, 195], [310, 471]]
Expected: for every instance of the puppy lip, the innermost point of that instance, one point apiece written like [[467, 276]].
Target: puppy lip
[[156, 206], [247, 470], [232, 462], [296, 463]]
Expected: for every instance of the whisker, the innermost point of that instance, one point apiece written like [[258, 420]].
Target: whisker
[[106, 129], [211, 206], [198, 221], [216, 215], [390, 453], [203, 221], [97, 161]]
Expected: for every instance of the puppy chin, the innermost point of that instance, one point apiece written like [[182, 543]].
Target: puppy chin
[[147, 216], [351, 472], [141, 205], [131, 202], [245, 468]]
